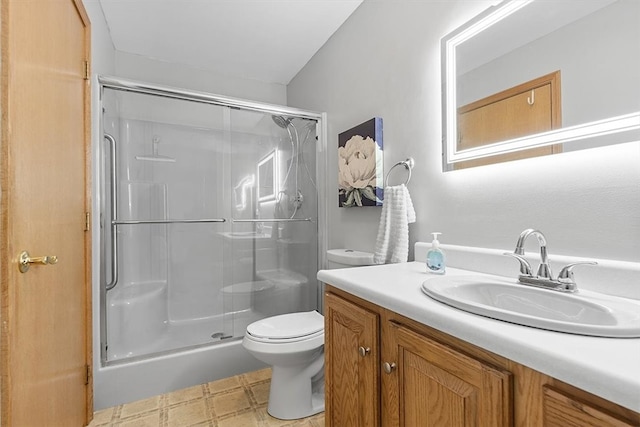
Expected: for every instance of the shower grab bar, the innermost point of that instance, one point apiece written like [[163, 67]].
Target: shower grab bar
[[169, 221], [114, 212], [273, 220]]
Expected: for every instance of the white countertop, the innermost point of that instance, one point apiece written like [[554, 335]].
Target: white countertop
[[606, 367]]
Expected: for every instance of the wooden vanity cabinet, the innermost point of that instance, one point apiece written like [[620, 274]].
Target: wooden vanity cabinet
[[352, 362], [434, 385], [382, 369]]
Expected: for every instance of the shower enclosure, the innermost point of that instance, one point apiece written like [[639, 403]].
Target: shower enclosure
[[209, 221]]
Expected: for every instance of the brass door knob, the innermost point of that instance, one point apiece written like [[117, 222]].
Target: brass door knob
[[25, 261]]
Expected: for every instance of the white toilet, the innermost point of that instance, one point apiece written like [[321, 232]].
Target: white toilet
[[344, 258], [293, 344]]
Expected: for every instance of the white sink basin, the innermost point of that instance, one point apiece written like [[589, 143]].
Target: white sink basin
[[584, 312]]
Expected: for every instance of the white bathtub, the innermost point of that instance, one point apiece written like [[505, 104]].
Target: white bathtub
[[140, 327]]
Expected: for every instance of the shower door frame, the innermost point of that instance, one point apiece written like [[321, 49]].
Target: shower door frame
[[99, 262]]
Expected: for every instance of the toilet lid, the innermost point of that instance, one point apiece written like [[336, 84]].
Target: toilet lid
[[292, 325]]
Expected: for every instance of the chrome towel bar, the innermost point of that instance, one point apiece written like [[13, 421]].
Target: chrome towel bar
[[273, 220], [168, 221]]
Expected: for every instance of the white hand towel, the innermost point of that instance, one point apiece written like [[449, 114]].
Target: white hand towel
[[392, 243]]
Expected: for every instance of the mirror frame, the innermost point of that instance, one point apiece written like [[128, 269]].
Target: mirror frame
[[450, 154]]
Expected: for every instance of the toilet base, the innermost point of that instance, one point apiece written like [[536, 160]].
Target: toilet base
[[293, 394]]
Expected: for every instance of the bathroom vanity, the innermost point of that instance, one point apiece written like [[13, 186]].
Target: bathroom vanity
[[395, 357]]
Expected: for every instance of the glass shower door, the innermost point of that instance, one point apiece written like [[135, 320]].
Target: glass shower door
[[164, 213], [271, 249]]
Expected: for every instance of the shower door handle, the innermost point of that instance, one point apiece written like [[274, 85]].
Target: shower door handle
[[113, 155], [25, 261]]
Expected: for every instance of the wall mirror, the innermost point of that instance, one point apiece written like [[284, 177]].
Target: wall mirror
[[578, 60]]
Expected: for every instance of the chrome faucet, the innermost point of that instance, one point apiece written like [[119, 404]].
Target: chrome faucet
[[543, 270], [543, 277]]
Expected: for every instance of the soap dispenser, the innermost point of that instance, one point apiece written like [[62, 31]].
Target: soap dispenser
[[435, 257]]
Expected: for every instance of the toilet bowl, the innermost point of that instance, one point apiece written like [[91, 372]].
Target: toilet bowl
[[293, 344]]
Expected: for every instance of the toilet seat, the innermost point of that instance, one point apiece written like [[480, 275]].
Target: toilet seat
[[286, 328], [285, 340]]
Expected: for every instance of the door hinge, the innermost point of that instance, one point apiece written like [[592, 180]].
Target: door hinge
[[86, 70], [87, 378], [87, 221]]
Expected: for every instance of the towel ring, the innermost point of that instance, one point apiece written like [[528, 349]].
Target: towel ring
[[408, 165]]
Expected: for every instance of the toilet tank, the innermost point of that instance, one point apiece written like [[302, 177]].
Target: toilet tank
[[343, 258]]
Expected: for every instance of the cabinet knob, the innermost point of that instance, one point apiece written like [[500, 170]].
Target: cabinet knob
[[364, 351], [388, 367]]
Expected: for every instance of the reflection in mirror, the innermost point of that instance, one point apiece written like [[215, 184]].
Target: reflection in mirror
[[267, 178], [242, 192], [555, 76]]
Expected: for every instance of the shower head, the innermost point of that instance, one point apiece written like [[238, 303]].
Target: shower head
[[155, 157], [281, 121]]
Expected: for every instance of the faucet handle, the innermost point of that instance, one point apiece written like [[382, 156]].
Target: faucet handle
[[566, 274], [525, 267]]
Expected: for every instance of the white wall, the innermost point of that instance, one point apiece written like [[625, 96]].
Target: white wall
[[136, 67], [385, 61], [102, 51]]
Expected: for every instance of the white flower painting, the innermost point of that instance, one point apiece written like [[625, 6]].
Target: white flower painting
[[360, 165]]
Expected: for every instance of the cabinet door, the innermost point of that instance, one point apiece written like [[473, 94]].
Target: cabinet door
[[561, 410], [440, 387], [351, 364]]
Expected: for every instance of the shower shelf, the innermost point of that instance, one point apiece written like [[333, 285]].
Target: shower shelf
[[168, 221]]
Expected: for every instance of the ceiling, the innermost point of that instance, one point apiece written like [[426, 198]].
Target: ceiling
[[265, 40]]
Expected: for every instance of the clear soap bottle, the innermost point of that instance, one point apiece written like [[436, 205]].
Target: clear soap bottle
[[435, 257]]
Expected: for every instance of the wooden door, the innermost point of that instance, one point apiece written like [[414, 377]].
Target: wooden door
[[46, 333], [351, 364], [441, 387]]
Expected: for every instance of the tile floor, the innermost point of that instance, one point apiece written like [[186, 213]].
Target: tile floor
[[239, 401]]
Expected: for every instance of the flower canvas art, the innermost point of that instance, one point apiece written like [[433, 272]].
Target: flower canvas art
[[360, 165]]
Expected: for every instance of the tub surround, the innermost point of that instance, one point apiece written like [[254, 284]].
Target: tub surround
[[606, 367]]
